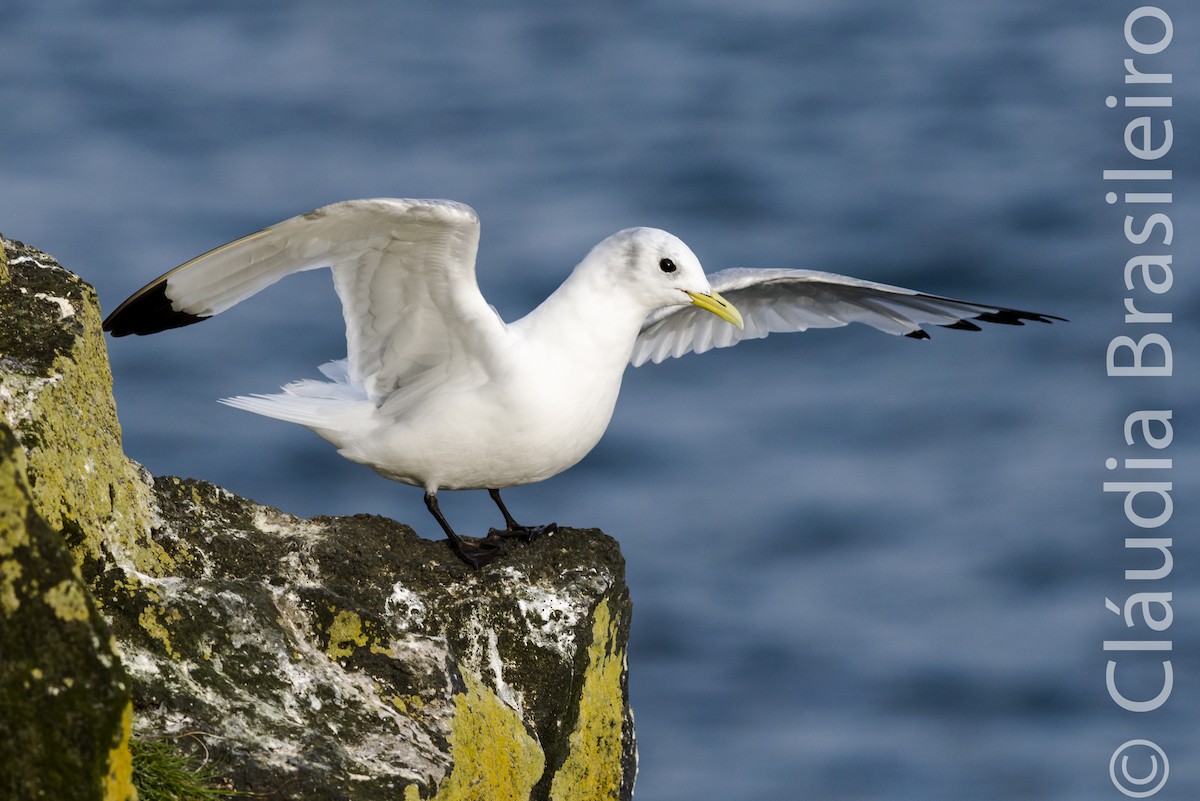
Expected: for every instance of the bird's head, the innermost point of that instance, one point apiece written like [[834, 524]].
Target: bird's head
[[659, 270]]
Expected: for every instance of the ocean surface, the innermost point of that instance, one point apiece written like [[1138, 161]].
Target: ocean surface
[[863, 567]]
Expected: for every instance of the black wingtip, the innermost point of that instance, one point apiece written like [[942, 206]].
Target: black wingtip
[[148, 312], [1017, 317], [999, 316], [963, 325]]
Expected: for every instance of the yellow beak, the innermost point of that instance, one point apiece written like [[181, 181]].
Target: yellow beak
[[718, 306]]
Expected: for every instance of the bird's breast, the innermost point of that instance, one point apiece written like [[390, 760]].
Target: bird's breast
[[560, 415], [522, 427]]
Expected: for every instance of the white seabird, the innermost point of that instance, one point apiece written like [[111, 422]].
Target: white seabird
[[437, 391]]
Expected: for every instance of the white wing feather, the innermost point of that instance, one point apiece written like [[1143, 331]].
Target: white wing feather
[[773, 301], [403, 269]]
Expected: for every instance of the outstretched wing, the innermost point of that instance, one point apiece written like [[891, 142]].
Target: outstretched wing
[[403, 269], [774, 301]]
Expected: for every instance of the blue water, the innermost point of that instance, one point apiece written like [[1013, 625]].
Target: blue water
[[862, 567]]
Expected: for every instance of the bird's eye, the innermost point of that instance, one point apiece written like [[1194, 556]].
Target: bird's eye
[[666, 265]]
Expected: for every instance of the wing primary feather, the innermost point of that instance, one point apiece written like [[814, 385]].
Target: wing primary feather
[[886, 318], [1015, 317], [777, 300], [148, 312], [962, 325]]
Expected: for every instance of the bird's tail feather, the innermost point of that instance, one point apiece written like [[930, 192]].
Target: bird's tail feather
[[323, 406]]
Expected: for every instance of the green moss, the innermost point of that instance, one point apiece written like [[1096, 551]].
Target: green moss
[[495, 759], [593, 768], [161, 772]]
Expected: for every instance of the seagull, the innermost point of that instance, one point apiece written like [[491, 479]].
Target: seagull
[[438, 392]]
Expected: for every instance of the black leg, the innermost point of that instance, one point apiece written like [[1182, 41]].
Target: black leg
[[475, 554], [513, 528]]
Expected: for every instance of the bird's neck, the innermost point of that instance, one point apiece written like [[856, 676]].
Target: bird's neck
[[590, 318]]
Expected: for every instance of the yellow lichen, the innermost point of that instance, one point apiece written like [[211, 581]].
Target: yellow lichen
[[155, 621], [411, 793], [344, 634], [408, 704], [495, 758], [348, 631], [14, 503], [592, 770], [118, 782], [10, 571], [67, 600], [81, 478]]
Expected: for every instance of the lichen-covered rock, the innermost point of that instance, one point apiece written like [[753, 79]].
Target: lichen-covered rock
[[64, 697], [333, 658], [349, 658], [56, 396]]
